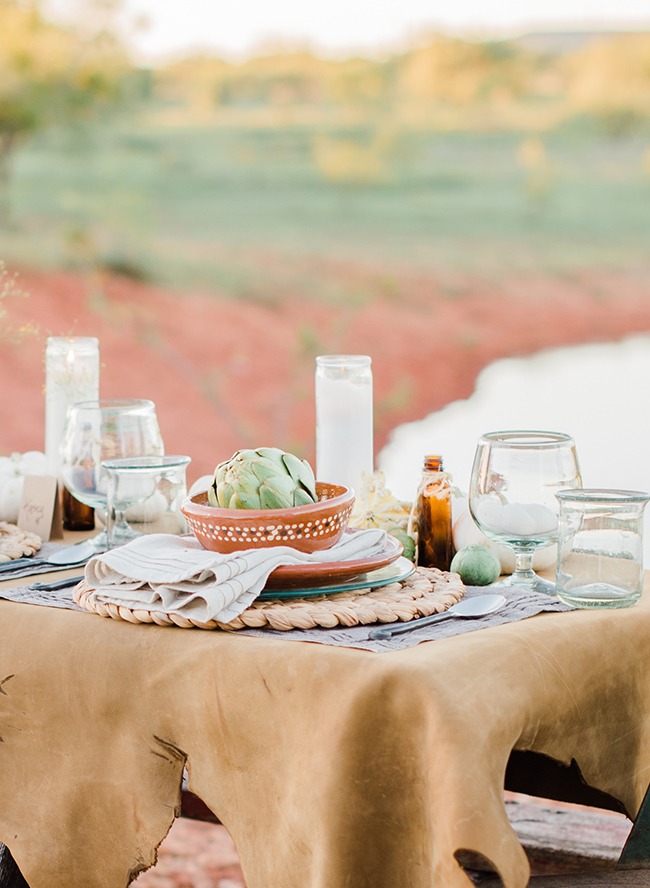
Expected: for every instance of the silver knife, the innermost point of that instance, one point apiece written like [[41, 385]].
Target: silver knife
[[57, 584]]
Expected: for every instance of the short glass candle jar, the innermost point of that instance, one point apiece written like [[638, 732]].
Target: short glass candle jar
[[600, 547]]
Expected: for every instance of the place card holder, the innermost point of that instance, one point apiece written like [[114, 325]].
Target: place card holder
[[40, 507]]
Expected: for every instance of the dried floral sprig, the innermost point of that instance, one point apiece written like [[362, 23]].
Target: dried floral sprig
[[9, 287]]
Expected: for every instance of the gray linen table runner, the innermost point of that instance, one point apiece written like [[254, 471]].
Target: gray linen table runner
[[520, 604]]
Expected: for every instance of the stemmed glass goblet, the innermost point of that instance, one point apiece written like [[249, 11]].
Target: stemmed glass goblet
[[99, 430], [515, 477], [146, 491]]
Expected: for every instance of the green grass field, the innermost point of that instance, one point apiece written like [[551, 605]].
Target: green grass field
[[207, 207]]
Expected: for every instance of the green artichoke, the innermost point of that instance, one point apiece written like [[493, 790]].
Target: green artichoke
[[266, 478]]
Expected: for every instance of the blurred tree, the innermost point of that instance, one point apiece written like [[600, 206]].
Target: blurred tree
[[534, 160], [462, 72], [610, 79], [49, 74], [346, 160], [439, 82]]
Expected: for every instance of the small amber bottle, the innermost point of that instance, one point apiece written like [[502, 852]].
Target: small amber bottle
[[432, 518], [76, 515]]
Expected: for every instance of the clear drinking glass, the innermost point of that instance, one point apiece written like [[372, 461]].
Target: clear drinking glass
[[144, 496], [600, 547], [100, 430], [515, 477]]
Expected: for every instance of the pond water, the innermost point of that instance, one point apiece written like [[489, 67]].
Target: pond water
[[599, 394]]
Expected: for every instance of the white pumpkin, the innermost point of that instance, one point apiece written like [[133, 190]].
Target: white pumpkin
[[466, 533], [12, 480], [376, 506], [32, 463], [200, 484], [11, 496], [151, 509]]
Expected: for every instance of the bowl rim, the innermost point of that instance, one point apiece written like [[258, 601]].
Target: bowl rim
[[251, 514]]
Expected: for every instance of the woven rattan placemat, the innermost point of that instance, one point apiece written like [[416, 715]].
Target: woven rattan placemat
[[427, 591], [16, 543]]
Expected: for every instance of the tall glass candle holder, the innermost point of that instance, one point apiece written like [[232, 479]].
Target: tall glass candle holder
[[71, 375], [344, 431]]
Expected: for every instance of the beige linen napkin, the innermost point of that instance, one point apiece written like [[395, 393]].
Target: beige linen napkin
[[173, 574]]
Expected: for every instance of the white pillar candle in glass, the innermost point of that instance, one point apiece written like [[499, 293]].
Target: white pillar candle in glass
[[344, 431], [71, 375]]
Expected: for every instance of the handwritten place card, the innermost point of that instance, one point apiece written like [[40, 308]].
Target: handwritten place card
[[40, 508]]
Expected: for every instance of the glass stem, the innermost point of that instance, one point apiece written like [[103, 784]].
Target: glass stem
[[524, 572]]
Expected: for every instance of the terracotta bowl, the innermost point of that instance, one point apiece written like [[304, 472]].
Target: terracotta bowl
[[307, 528]]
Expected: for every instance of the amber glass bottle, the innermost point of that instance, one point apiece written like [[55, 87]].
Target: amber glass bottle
[[76, 515], [433, 516]]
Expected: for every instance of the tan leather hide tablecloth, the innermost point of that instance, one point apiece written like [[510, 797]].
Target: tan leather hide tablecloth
[[330, 767]]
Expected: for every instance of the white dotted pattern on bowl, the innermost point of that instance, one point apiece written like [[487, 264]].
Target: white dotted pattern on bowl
[[270, 532]]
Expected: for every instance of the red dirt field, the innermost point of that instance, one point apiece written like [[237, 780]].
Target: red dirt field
[[226, 374]]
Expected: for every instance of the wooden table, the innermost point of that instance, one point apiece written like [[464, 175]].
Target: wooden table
[[378, 767]]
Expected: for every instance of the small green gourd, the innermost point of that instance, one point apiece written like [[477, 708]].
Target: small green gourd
[[407, 541], [476, 565]]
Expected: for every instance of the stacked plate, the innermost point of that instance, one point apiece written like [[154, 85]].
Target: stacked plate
[[305, 580]]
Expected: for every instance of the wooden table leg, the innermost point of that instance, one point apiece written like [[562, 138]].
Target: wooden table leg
[[10, 875], [193, 808], [636, 853]]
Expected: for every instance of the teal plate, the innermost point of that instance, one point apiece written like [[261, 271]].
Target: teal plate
[[393, 573]]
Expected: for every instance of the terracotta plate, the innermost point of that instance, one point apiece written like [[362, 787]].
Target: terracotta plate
[[304, 576]]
